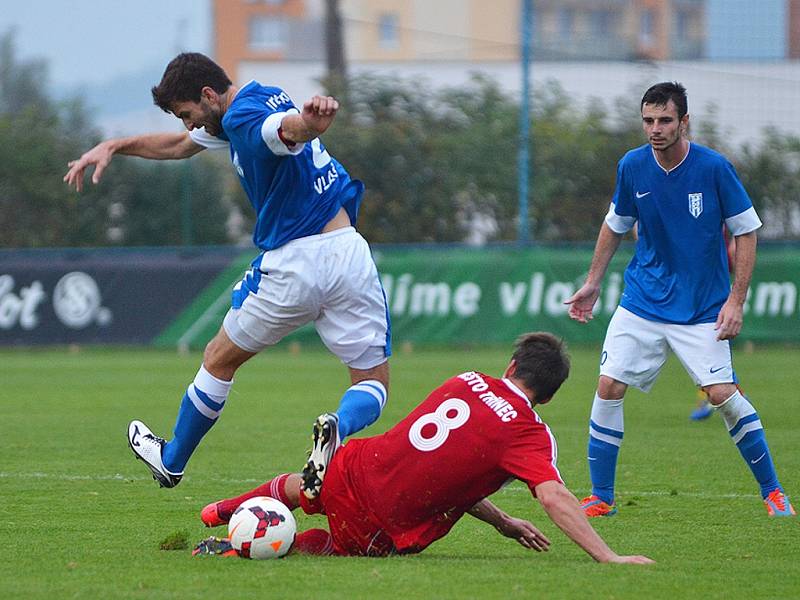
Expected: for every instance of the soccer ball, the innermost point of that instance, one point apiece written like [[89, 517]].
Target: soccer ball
[[262, 527]]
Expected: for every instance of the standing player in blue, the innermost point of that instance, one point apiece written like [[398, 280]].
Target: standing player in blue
[[313, 265], [677, 294]]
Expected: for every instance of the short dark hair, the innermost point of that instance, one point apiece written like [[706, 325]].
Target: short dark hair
[[542, 363], [663, 92], [184, 78]]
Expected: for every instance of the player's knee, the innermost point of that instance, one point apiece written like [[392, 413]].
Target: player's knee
[[373, 365], [609, 388], [719, 392], [222, 357], [208, 354], [291, 490], [211, 356]]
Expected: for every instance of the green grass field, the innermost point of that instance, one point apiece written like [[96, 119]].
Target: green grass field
[[82, 519]]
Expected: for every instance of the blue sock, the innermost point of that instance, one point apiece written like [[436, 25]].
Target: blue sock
[[606, 429], [200, 408], [360, 406], [745, 429]]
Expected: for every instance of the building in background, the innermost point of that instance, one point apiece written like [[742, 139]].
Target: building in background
[[619, 29], [266, 31], [591, 48], [460, 30]]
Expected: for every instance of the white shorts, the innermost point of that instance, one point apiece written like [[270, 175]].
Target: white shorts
[[329, 279], [635, 349]]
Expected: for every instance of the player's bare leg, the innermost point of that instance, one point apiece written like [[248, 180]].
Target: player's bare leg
[[222, 358]]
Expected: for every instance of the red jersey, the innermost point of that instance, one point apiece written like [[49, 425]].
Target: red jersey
[[468, 438]]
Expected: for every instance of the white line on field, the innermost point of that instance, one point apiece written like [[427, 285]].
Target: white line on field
[[115, 477], [505, 490]]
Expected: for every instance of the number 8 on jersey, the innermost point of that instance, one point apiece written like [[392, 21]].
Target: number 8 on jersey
[[442, 422]]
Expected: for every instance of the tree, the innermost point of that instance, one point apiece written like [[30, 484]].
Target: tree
[[438, 165], [770, 173], [34, 210], [432, 160], [574, 163], [136, 203]]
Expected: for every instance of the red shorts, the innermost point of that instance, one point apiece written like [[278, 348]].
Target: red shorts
[[354, 533]]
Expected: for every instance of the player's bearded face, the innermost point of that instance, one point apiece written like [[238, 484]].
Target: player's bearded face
[[662, 126], [200, 114], [212, 118]]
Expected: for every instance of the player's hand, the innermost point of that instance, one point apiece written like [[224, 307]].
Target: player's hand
[[633, 560], [526, 534], [99, 157], [729, 321], [319, 112], [582, 302]]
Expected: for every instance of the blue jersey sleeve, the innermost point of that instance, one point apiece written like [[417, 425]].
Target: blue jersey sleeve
[[733, 196], [256, 121], [622, 214], [737, 208]]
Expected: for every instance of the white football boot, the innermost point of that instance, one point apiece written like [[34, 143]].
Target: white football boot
[[147, 448]]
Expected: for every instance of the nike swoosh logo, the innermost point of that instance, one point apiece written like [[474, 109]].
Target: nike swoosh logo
[[715, 370], [592, 457], [638, 195], [754, 461], [135, 435]]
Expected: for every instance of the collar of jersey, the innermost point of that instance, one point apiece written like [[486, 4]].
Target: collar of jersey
[[517, 391], [243, 88], [683, 160], [239, 94]]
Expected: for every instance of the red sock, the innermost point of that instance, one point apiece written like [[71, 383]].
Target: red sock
[[274, 488], [314, 541]]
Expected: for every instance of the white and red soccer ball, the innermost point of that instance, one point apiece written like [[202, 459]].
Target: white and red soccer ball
[[261, 528]]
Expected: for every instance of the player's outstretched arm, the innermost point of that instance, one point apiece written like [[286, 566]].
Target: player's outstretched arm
[[159, 146], [517, 529], [315, 118], [582, 302], [731, 315], [563, 508]]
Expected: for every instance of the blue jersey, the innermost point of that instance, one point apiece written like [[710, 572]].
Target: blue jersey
[[679, 272], [294, 189]]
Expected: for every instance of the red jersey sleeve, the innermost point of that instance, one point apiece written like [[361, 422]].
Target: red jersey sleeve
[[532, 456]]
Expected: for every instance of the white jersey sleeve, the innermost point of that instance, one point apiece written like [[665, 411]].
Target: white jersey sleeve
[[618, 223], [269, 133], [745, 222], [202, 138]]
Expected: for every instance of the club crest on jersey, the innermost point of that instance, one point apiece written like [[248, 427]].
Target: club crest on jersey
[[696, 204]]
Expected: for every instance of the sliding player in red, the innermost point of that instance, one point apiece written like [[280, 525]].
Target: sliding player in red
[[399, 492]]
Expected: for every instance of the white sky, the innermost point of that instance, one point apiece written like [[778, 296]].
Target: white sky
[[96, 41]]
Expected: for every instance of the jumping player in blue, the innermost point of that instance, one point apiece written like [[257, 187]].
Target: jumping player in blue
[[677, 294], [313, 265]]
